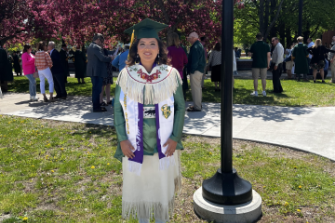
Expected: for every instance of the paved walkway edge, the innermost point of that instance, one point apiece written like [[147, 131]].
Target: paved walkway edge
[[234, 138], [269, 143], [285, 146], [311, 130]]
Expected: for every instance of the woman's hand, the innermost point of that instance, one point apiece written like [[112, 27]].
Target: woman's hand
[[171, 147], [127, 149]]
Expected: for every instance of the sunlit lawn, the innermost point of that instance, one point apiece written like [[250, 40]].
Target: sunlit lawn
[[64, 172], [295, 93]]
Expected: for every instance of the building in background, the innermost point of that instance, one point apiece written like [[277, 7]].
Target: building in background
[[327, 38]]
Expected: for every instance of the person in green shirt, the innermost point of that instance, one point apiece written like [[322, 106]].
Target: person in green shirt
[[260, 53], [300, 57], [196, 68], [149, 112]]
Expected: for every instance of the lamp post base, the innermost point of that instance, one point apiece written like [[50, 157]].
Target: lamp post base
[[243, 213], [227, 189]]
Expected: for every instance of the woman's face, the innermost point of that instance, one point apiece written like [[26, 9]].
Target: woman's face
[[29, 50], [148, 49]]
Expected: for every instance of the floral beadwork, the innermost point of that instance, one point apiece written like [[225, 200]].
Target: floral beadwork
[[149, 78]]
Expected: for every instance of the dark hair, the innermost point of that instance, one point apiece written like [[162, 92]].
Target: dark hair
[[217, 47], [203, 38], [98, 36], [41, 46], [64, 45], [26, 48], [259, 36], [163, 58]]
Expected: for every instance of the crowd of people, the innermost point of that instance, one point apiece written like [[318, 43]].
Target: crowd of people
[[49, 64], [299, 60]]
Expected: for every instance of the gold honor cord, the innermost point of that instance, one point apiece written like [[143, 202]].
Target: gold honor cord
[[131, 41]]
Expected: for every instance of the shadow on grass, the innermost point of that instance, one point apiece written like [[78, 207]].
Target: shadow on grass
[[241, 96], [99, 131], [326, 83]]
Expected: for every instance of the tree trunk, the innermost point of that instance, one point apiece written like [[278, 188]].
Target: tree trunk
[[261, 16], [274, 29], [307, 32], [288, 37], [264, 12], [282, 34], [266, 19]]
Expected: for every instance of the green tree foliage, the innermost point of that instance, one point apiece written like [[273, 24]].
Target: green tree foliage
[[318, 17]]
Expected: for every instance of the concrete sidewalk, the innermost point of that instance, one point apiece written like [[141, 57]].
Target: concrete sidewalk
[[307, 129]]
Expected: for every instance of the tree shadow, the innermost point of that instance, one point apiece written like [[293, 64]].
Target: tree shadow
[[269, 113], [32, 104], [22, 102], [74, 109], [210, 116], [99, 131]]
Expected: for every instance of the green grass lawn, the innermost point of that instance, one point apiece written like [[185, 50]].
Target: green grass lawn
[[296, 93], [245, 57], [64, 172]]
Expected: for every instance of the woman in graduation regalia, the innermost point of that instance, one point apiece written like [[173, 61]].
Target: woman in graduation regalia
[[17, 66], [149, 111], [80, 65]]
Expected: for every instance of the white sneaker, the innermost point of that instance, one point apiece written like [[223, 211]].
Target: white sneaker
[[34, 98], [264, 93], [255, 93]]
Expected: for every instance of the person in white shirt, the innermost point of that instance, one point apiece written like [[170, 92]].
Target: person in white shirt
[[310, 44], [289, 62], [277, 64]]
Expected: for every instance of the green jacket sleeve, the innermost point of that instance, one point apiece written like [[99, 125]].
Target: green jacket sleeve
[[293, 52], [179, 114], [251, 50], [119, 121], [194, 56]]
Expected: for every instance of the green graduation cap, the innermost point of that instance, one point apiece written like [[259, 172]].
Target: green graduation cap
[[147, 28]]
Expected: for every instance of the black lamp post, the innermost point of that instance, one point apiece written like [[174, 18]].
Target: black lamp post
[[300, 18], [226, 187]]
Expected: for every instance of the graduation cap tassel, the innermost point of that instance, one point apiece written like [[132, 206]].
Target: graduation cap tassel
[[131, 40]]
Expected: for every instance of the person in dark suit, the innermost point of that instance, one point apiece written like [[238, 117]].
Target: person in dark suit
[[80, 65], [16, 63], [57, 71], [64, 56], [97, 69], [6, 73]]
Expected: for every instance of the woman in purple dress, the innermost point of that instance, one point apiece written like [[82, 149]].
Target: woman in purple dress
[[177, 55]]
